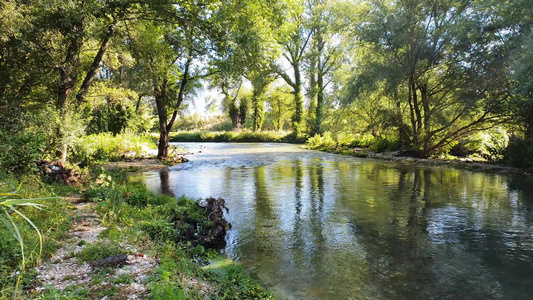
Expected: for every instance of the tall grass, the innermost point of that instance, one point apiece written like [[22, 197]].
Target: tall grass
[[106, 147], [29, 230], [9, 209]]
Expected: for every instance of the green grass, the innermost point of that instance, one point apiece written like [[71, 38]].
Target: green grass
[[157, 223], [134, 216], [237, 137], [52, 221], [105, 147], [100, 250]]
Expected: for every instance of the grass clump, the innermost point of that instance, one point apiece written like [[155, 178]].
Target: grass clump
[[99, 250]]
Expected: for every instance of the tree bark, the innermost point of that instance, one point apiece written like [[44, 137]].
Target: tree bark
[[68, 79], [319, 112], [93, 70], [164, 127], [298, 100]]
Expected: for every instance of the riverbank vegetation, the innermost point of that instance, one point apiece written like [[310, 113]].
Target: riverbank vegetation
[[161, 245], [236, 137]]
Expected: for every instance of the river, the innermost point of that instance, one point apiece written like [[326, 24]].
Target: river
[[313, 225]]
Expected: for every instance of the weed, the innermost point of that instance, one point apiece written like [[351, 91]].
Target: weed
[[99, 250]]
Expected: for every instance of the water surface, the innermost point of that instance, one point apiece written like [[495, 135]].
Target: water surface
[[313, 225]]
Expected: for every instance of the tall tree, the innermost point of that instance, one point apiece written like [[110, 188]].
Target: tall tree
[[443, 59], [235, 101], [279, 100], [326, 26], [294, 50], [64, 33], [200, 38], [260, 80]]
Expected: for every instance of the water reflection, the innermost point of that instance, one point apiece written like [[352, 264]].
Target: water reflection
[[312, 225]]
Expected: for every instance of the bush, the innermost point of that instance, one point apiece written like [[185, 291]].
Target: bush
[[52, 222], [382, 144], [19, 152], [519, 153], [490, 144], [323, 142], [236, 137], [106, 147], [100, 250]]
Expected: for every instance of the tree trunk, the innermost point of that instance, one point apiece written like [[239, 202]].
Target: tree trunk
[[93, 70], [162, 148], [427, 114], [235, 115], [319, 112], [68, 80], [160, 98], [298, 100], [258, 111]]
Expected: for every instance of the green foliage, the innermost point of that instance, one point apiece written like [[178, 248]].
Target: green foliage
[[19, 152], [196, 123], [280, 112], [236, 284], [106, 147], [116, 109], [490, 144], [29, 232], [519, 153], [321, 142], [163, 219], [428, 97], [70, 293], [382, 144], [236, 137], [99, 250]]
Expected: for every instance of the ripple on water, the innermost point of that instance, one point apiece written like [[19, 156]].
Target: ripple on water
[[312, 225]]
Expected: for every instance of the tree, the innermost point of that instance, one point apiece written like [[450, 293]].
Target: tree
[[62, 34], [260, 79], [326, 25], [436, 60], [280, 106], [199, 39], [235, 102], [294, 50], [167, 55]]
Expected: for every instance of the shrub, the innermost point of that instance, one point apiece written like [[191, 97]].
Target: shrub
[[19, 152], [106, 147], [519, 153], [323, 142], [490, 144], [381, 144]]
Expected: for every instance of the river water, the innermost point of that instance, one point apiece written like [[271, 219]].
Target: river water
[[313, 225]]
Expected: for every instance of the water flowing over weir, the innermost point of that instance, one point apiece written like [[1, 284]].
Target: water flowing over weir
[[313, 225]]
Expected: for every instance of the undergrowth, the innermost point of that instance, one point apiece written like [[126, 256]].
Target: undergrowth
[[237, 137], [159, 224], [53, 221]]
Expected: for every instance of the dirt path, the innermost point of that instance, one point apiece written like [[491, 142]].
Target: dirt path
[[65, 273]]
